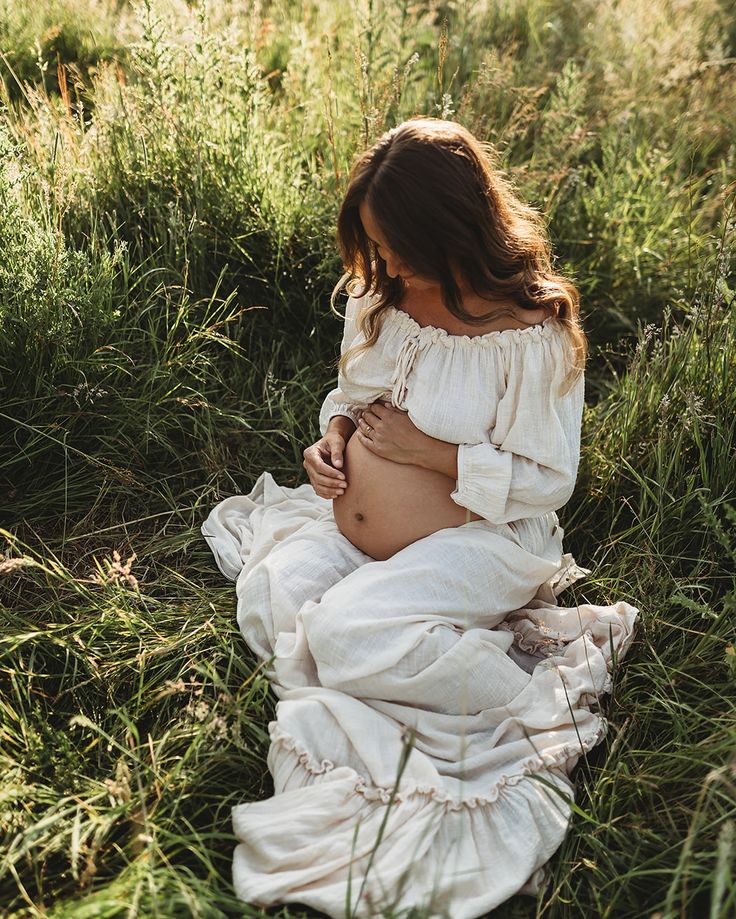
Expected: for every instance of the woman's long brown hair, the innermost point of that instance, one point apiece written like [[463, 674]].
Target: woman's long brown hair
[[441, 201]]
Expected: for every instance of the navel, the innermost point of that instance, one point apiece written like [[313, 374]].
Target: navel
[[358, 516]]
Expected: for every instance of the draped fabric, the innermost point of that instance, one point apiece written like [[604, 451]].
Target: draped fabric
[[432, 706]]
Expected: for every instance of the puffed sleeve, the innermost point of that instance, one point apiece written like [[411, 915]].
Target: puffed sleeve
[[528, 465], [336, 402]]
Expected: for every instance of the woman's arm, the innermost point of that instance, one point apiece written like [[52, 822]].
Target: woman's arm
[[527, 465], [526, 468], [336, 403], [497, 484], [491, 481], [343, 425], [438, 455]]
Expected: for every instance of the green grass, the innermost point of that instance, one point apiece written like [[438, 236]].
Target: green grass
[[167, 208]]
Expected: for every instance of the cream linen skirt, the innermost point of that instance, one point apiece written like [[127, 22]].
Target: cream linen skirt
[[431, 706]]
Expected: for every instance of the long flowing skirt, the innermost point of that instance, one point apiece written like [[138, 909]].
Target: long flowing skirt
[[431, 706]]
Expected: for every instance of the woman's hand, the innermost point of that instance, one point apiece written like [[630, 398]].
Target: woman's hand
[[319, 461], [394, 435]]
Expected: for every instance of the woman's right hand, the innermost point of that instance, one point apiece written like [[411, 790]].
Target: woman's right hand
[[320, 460]]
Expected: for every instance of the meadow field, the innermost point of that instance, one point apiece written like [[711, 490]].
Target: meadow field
[[170, 174]]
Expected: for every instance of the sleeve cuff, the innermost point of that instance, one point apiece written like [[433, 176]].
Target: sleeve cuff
[[483, 480], [352, 411]]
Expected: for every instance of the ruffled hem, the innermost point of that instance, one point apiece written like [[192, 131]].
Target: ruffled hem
[[327, 837], [538, 763]]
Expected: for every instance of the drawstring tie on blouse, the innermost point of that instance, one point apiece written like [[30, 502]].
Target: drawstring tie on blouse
[[404, 363]]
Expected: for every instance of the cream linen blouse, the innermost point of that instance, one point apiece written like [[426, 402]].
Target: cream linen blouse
[[495, 395]]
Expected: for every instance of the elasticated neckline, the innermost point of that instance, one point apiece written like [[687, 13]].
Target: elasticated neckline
[[500, 336]]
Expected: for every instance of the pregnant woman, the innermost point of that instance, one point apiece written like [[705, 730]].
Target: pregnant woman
[[433, 697]]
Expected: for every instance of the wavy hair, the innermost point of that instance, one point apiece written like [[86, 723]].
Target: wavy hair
[[442, 203]]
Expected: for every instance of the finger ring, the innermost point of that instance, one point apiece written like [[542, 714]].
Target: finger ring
[[368, 427]]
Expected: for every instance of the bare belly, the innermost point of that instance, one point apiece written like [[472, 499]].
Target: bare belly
[[388, 505]]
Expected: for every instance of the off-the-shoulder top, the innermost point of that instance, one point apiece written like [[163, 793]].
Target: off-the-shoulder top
[[496, 395]]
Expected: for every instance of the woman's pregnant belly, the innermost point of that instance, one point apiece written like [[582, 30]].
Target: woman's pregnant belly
[[388, 505]]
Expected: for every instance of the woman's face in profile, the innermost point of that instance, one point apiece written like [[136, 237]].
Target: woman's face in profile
[[394, 266]]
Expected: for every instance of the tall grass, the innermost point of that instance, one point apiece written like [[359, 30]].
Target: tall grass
[[168, 192]]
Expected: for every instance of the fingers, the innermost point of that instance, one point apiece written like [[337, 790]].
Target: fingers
[[320, 468], [368, 442], [314, 459], [331, 476], [374, 415], [326, 481], [334, 445], [327, 488], [368, 423]]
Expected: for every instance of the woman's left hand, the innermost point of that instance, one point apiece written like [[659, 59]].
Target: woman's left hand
[[394, 435]]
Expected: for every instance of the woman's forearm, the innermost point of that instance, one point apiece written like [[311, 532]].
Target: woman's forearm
[[438, 455], [343, 425]]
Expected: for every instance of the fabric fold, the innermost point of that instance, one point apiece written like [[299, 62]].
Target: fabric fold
[[427, 726]]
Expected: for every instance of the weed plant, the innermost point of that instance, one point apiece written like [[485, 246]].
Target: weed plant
[[169, 184]]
